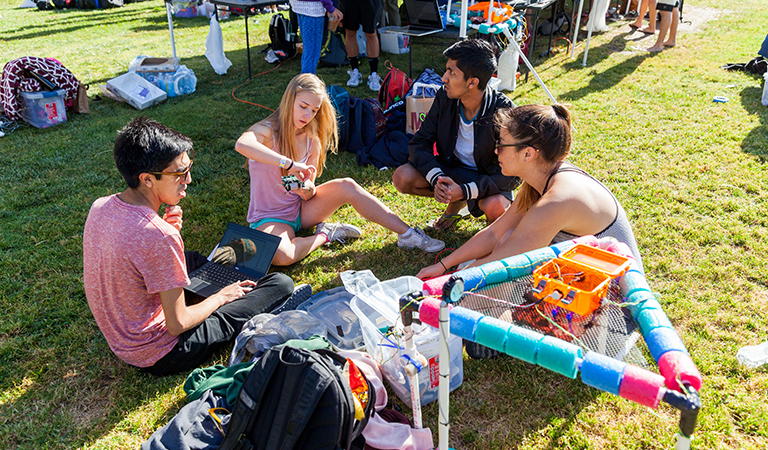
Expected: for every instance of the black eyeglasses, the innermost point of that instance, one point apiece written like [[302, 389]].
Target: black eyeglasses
[[500, 146], [180, 175]]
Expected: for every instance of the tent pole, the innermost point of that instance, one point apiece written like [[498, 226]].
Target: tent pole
[[170, 25], [576, 30]]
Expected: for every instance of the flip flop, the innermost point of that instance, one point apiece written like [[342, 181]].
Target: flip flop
[[446, 221], [633, 26], [647, 32]]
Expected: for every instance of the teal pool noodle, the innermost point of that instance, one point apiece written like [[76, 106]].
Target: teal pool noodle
[[495, 272], [648, 319], [464, 323], [633, 281], [518, 266], [562, 247], [540, 256], [641, 300], [602, 372], [492, 332], [662, 340], [522, 343], [474, 278], [558, 356]]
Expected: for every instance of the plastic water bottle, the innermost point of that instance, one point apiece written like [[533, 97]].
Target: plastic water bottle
[[753, 356]]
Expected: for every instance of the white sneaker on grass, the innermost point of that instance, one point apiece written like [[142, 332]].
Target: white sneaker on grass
[[374, 82], [355, 78], [417, 238], [338, 231]]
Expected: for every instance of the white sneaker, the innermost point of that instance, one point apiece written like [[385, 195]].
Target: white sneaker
[[417, 238], [374, 82], [338, 231], [355, 78]]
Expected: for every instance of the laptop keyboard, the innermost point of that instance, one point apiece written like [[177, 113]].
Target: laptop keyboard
[[216, 274]]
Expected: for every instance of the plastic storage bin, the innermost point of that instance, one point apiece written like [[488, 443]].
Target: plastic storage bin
[[332, 309], [43, 109], [378, 309], [396, 43]]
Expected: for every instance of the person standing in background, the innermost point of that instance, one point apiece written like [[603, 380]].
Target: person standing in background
[[310, 14], [363, 13]]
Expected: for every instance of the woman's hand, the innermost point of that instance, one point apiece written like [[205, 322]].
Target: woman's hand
[[336, 15], [303, 171], [433, 271], [308, 191], [173, 215]]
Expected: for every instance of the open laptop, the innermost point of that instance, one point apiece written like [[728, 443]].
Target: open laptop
[[423, 16], [242, 254]]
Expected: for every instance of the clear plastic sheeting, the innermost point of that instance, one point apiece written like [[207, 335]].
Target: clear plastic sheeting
[[267, 330]]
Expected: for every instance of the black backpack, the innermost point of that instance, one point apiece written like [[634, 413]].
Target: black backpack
[[333, 53], [282, 38], [297, 398]]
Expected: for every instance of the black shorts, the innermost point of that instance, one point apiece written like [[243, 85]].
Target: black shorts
[[667, 5], [463, 174], [360, 12]]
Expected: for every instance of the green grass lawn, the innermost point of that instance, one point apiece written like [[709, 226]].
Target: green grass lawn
[[690, 173]]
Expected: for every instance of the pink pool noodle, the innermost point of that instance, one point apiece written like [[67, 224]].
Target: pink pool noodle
[[586, 240], [678, 367], [435, 285], [429, 312], [641, 386]]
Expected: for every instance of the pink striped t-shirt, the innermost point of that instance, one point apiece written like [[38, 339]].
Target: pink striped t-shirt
[[130, 255]]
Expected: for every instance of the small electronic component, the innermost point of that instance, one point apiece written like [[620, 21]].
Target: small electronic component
[[291, 183]]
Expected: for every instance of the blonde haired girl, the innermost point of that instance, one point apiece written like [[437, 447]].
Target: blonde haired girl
[[294, 140]]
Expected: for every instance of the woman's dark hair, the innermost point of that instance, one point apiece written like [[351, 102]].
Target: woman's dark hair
[[474, 57], [545, 128], [145, 145]]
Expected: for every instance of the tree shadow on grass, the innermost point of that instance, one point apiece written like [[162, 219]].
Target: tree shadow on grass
[[611, 76], [69, 20], [535, 400], [755, 143]]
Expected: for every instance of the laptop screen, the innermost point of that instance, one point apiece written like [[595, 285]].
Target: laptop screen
[[423, 13], [246, 250]]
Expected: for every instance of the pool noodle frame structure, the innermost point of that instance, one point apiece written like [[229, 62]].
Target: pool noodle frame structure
[[678, 384]]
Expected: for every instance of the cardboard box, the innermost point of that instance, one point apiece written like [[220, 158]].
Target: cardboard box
[[43, 109], [158, 65], [135, 90]]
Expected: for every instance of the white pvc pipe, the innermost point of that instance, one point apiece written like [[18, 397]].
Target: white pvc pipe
[[576, 30], [413, 377], [590, 22], [445, 376], [170, 26], [463, 25], [528, 64]]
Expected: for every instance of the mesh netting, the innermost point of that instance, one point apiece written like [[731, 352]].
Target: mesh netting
[[609, 330]]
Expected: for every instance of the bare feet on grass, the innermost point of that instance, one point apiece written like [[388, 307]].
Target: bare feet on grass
[[654, 49]]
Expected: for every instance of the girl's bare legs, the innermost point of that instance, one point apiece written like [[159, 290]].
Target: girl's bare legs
[[333, 194], [291, 249]]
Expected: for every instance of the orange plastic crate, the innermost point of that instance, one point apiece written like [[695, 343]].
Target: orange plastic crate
[[571, 285], [606, 262]]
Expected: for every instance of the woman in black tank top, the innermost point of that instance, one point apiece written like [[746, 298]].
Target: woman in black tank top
[[557, 200]]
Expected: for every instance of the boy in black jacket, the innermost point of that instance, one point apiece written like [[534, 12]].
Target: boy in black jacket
[[460, 127]]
